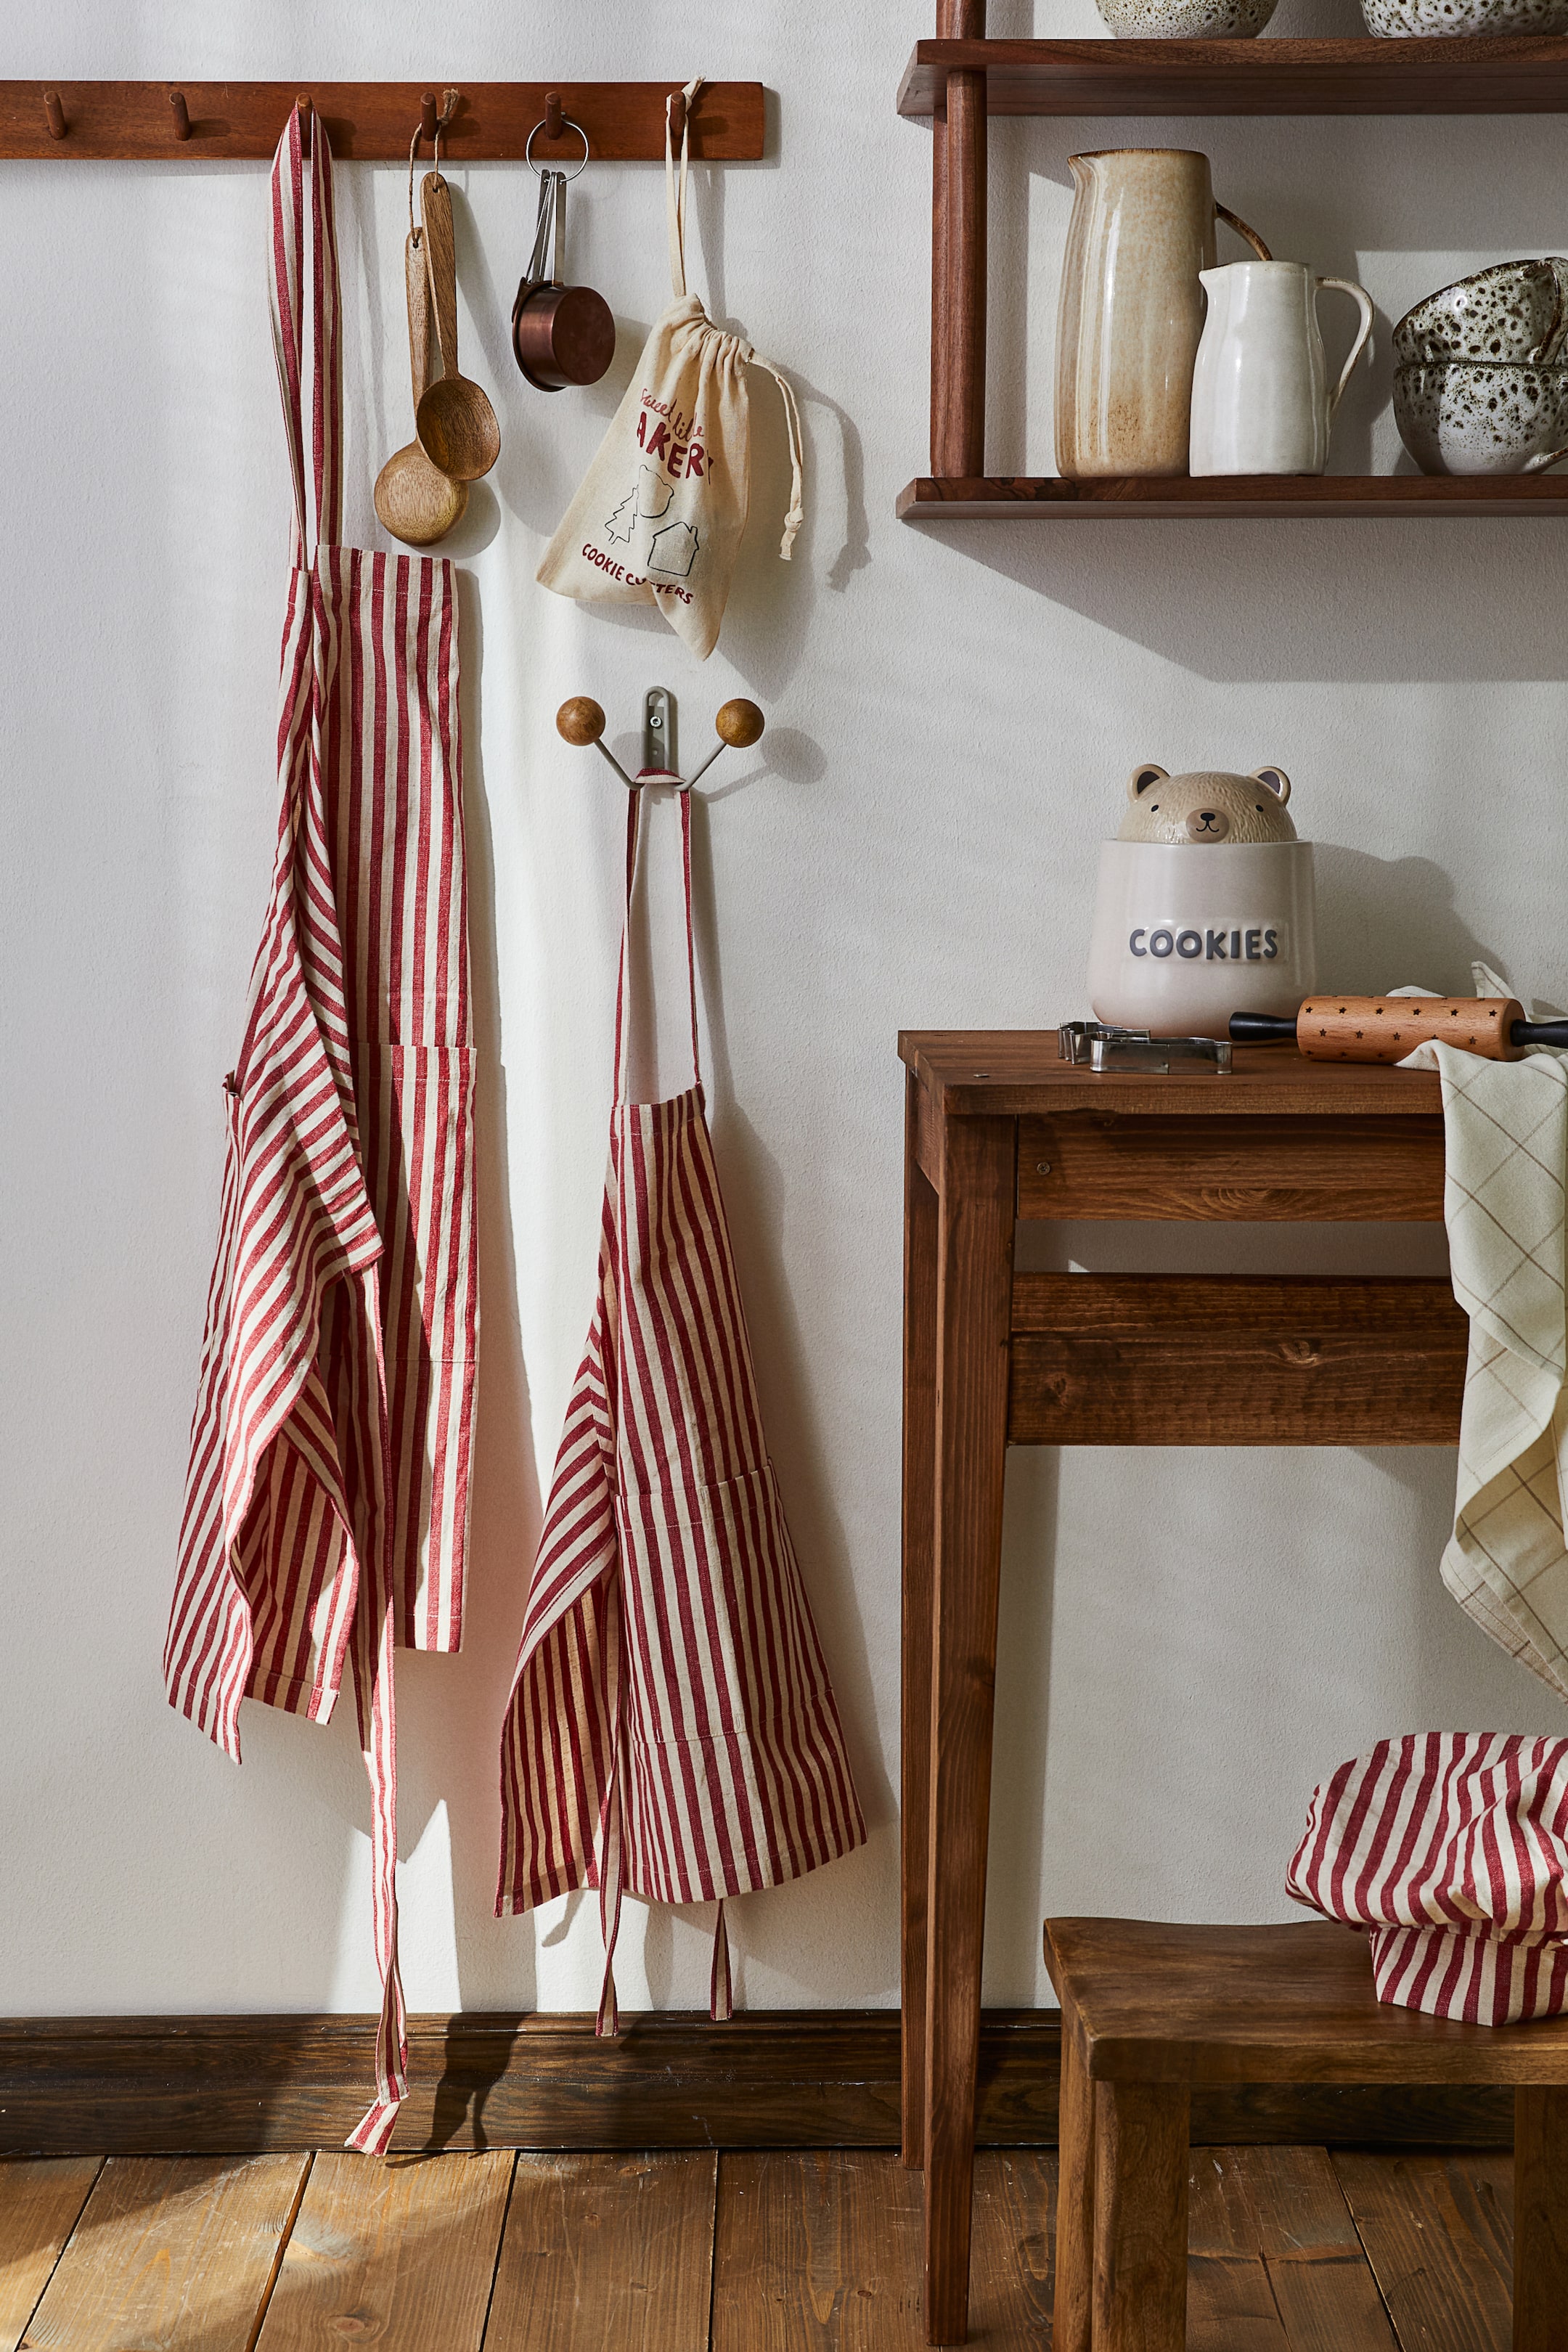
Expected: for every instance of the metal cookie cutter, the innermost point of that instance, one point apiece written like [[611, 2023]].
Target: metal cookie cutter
[[1100, 1046]]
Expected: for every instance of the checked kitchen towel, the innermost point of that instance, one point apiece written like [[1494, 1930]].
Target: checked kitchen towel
[[1506, 1140]]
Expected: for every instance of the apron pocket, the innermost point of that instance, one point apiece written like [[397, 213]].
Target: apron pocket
[[418, 1147]]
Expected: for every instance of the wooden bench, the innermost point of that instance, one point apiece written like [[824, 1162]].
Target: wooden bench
[[1149, 2010]]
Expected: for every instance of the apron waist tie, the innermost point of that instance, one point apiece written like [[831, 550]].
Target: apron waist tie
[[373, 2134], [608, 2020], [720, 2000], [374, 1639], [720, 2005]]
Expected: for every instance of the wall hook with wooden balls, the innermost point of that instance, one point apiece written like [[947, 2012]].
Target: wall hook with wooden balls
[[738, 724]]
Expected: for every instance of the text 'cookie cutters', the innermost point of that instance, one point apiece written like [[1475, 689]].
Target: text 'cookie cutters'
[[739, 724]]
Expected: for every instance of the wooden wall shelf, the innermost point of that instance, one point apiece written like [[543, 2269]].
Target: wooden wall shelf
[[1264, 77], [136, 121], [1045, 498], [960, 80]]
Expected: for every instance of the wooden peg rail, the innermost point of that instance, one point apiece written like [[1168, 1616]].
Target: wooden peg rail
[[373, 122]]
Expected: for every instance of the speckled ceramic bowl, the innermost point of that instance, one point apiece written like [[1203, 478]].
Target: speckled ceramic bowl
[[1187, 20], [1515, 310], [1401, 19], [1482, 416]]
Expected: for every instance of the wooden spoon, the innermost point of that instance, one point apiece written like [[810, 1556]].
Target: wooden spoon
[[416, 501], [455, 422]]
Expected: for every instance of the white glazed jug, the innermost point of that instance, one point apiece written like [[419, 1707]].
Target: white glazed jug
[[1261, 402]]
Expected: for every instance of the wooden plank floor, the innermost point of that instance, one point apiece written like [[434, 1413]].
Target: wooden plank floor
[[1292, 2250]]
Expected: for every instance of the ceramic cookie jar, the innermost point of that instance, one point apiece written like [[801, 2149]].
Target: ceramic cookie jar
[[1205, 904]]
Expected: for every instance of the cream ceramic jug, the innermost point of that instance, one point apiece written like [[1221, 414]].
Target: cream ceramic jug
[[1132, 309], [1261, 401]]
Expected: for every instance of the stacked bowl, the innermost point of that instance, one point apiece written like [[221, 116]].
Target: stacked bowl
[[1478, 383]]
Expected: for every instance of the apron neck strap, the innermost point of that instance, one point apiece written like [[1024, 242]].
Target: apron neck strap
[[302, 290], [674, 201], [623, 983]]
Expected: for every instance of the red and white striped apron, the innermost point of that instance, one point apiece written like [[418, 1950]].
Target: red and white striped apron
[[671, 1731], [326, 1501]]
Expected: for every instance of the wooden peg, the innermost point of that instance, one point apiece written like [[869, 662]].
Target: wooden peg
[[740, 723], [54, 114], [737, 724], [677, 116], [182, 117], [305, 112], [554, 123], [429, 120], [581, 720]]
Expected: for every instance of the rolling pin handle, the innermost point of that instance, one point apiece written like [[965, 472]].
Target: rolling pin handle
[[1540, 1033], [1263, 1028]]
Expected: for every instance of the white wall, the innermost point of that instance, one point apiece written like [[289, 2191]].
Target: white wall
[[1189, 1639]]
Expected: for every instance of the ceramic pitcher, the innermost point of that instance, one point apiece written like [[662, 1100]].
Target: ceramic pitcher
[[1261, 401], [1132, 309]]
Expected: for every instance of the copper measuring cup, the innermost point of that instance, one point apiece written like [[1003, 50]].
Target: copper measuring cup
[[560, 334]]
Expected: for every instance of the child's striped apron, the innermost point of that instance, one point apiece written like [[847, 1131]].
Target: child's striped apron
[[671, 1731]]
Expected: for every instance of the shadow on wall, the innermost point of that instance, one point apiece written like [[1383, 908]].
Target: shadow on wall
[[1391, 922], [1420, 600], [450, 1709], [1336, 602], [753, 1199]]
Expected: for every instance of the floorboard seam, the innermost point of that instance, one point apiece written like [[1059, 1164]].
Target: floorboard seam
[[500, 2240], [1394, 2327], [713, 2246], [59, 2258], [284, 2234]]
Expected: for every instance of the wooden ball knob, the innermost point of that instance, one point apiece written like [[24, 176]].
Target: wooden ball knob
[[740, 723], [582, 721]]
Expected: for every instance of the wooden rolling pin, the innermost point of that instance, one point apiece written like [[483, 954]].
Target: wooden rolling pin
[[1386, 1028]]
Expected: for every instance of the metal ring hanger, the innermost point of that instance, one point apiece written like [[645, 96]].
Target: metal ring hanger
[[566, 124]]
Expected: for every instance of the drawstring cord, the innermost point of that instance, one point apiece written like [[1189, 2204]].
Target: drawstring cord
[[674, 205], [796, 514], [675, 213]]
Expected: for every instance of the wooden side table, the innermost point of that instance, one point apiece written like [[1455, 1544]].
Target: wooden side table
[[1151, 2013], [999, 1129]]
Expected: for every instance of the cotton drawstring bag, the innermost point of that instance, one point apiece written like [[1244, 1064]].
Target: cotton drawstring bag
[[660, 517]]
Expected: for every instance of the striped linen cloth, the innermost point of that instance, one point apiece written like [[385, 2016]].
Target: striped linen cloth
[[326, 1499], [671, 1731], [1451, 1848]]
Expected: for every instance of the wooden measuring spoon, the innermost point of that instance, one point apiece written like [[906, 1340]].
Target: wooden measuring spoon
[[455, 422], [416, 501]]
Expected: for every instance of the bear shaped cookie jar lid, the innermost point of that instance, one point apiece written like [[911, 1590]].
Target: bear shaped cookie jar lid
[[1203, 906]]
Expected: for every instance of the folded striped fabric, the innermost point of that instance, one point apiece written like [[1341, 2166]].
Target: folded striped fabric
[[1451, 1849]]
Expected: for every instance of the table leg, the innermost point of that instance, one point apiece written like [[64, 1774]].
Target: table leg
[[1072, 2325], [1540, 2219], [918, 1537], [1140, 2161], [975, 1284]]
